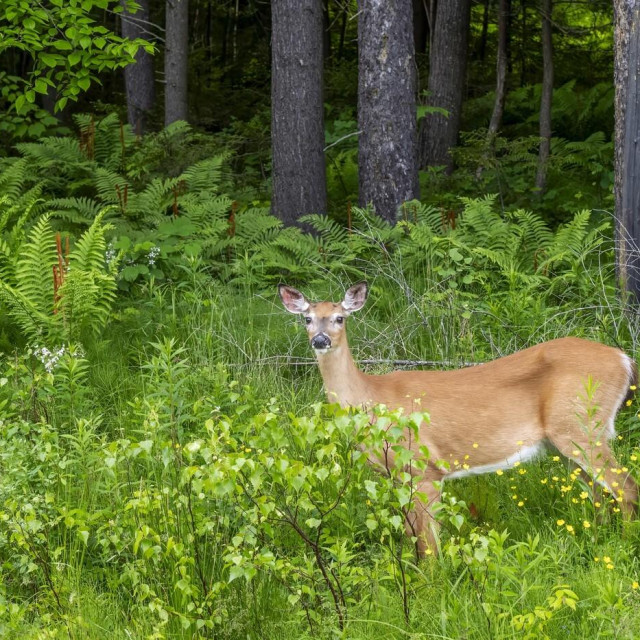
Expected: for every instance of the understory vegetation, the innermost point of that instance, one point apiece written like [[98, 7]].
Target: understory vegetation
[[167, 467]]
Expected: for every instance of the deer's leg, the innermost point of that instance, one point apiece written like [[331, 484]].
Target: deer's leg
[[600, 465], [419, 521]]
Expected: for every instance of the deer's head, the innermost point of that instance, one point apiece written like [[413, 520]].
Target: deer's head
[[324, 321]]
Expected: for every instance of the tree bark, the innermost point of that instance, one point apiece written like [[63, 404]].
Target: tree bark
[[176, 58], [448, 63], [387, 158], [546, 98], [504, 9], [138, 78], [297, 126], [627, 145]]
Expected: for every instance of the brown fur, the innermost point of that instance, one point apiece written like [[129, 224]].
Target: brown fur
[[505, 408]]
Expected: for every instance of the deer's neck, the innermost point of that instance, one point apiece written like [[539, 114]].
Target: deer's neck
[[344, 383]]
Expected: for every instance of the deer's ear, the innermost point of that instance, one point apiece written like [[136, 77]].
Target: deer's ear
[[292, 299], [355, 297]]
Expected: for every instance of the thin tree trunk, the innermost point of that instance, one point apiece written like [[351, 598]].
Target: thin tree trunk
[[485, 28], [176, 58], [138, 77], [326, 30], [523, 49], [627, 145], [343, 31], [504, 8], [387, 161], [547, 97], [447, 74], [297, 126]]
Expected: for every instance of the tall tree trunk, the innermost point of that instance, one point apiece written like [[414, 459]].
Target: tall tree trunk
[[447, 72], [297, 126], [547, 97], [343, 30], [504, 9], [138, 78], [387, 161], [485, 28], [523, 48], [326, 30], [627, 145], [176, 58]]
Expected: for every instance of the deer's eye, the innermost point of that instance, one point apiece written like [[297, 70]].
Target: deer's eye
[[308, 319], [339, 319]]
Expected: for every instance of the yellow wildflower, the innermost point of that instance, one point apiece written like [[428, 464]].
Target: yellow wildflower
[[560, 523], [499, 472], [634, 584], [586, 524], [521, 504], [556, 458], [584, 495], [475, 445], [629, 403]]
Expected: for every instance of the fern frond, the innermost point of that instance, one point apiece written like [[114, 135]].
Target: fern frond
[[34, 269]]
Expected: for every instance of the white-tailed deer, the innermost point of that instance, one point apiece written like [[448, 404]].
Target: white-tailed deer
[[496, 414]]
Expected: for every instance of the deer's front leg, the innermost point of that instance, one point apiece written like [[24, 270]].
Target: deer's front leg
[[419, 521]]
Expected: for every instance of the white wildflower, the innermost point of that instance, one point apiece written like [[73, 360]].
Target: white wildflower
[[154, 252], [49, 358]]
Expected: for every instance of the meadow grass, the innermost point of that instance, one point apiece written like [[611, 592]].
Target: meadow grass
[[112, 526]]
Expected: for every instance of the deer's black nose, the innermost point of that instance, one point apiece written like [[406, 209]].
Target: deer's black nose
[[321, 341]]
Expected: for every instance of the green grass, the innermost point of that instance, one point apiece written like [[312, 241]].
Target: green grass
[[114, 525]]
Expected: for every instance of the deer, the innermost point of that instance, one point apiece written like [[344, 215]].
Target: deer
[[498, 414]]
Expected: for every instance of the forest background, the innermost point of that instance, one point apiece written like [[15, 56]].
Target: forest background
[[166, 467]]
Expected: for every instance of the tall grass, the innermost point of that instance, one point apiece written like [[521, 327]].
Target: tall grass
[[122, 510]]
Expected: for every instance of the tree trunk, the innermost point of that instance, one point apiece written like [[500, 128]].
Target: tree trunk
[[627, 145], [326, 30], [387, 166], [176, 57], [485, 28], [523, 48], [448, 63], [138, 78], [343, 31], [297, 126], [504, 8], [546, 99]]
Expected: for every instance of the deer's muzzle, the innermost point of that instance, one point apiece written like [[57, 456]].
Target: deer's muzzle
[[321, 341]]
